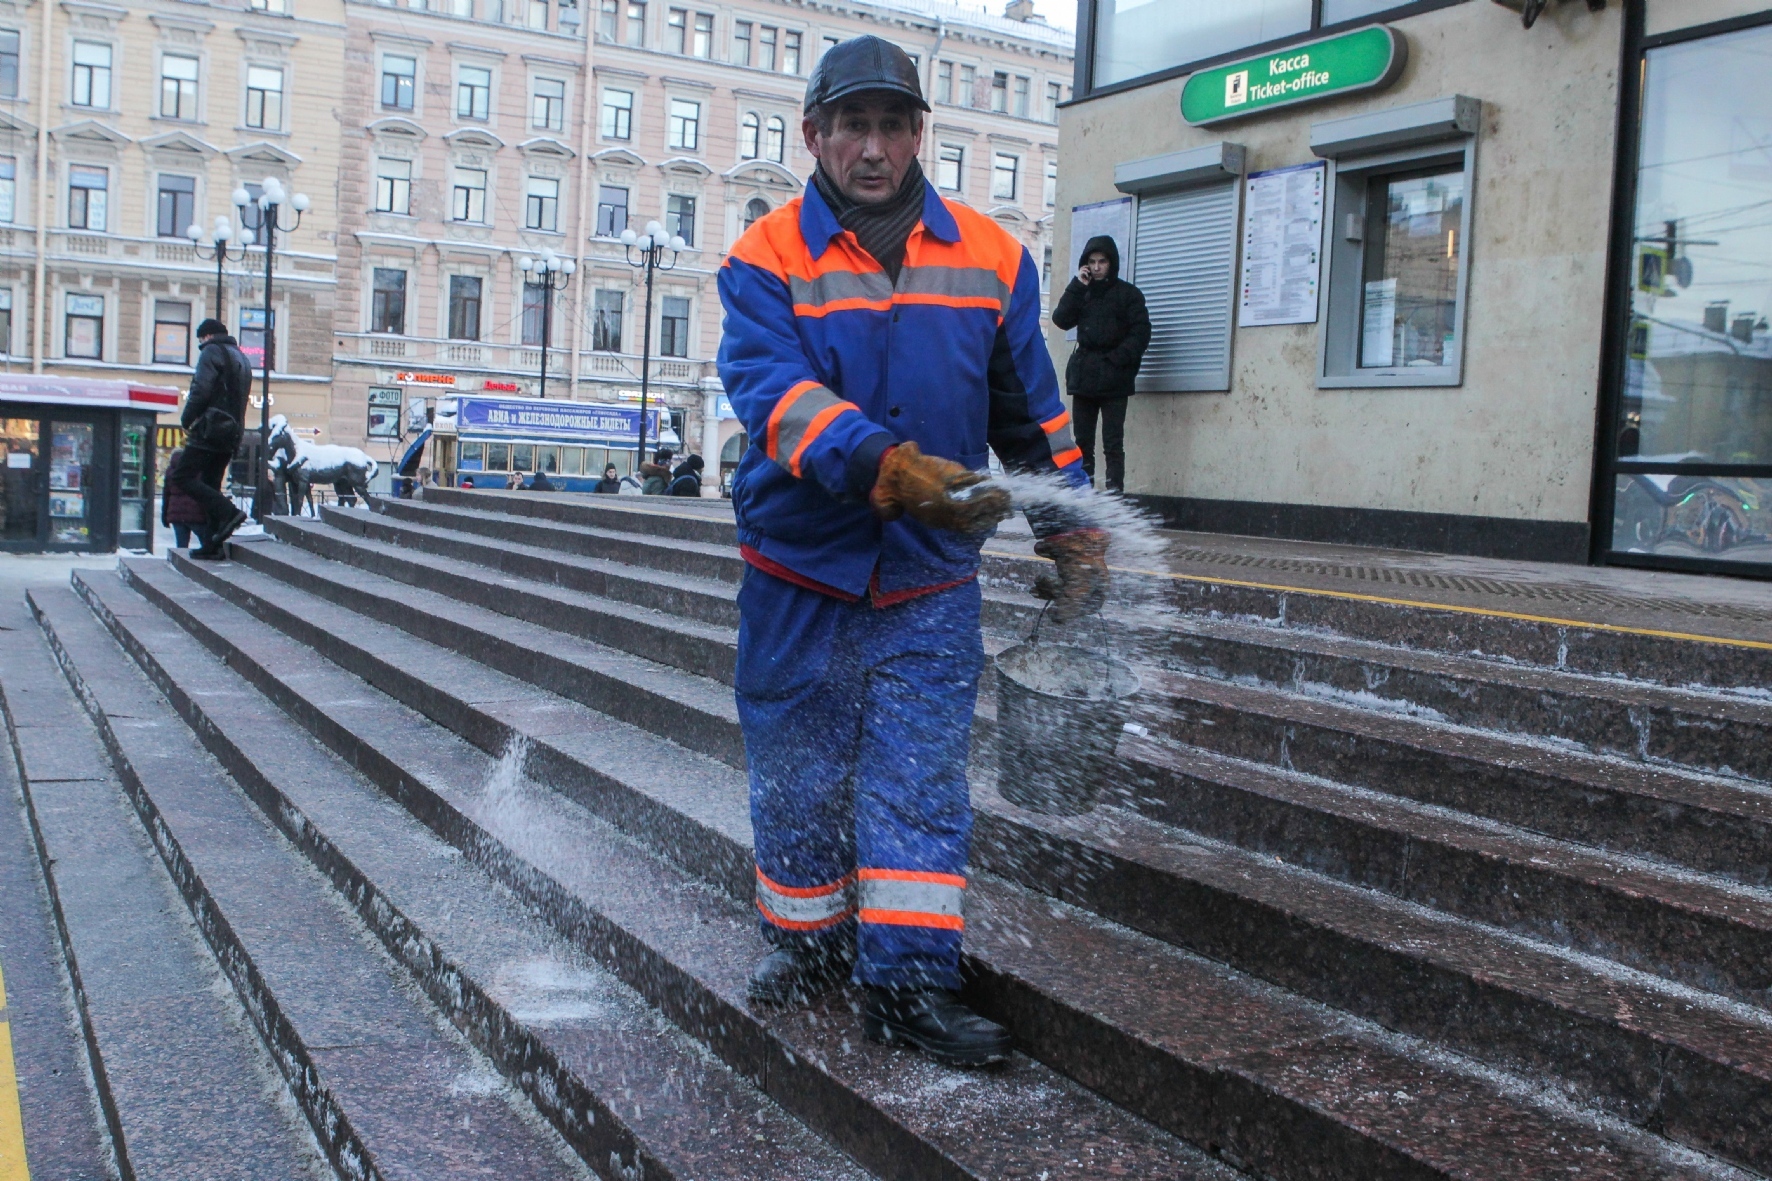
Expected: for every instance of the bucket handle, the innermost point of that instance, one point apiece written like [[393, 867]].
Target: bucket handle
[[1107, 645]]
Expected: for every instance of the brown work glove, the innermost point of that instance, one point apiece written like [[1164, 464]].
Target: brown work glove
[[1080, 585], [924, 488]]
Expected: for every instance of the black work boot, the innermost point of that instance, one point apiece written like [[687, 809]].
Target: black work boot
[[798, 975], [936, 1023]]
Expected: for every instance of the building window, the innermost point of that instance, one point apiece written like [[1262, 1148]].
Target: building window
[[464, 307], [606, 321], [607, 13], [775, 139], [8, 77], [702, 42], [741, 43], [8, 187], [176, 207], [685, 124], [92, 75], [755, 209], [278, 6], [999, 91], [1020, 102], [1054, 95], [538, 14], [251, 217], [673, 327], [84, 334], [534, 311], [944, 82], [5, 319], [87, 190], [473, 93], [749, 135], [790, 52], [264, 98], [1049, 194], [636, 23], [766, 35], [547, 105], [462, 8], [1003, 175], [470, 195], [612, 211], [399, 76], [950, 164], [828, 43], [618, 114], [680, 218], [172, 333], [393, 186], [387, 301], [676, 26], [1046, 269], [968, 86], [541, 210], [178, 87], [252, 336]]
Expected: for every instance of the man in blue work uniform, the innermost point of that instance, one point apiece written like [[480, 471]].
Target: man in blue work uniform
[[877, 340]]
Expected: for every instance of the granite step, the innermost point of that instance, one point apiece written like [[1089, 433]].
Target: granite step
[[670, 518], [1032, 965], [620, 1084], [685, 947], [390, 1090], [185, 1088]]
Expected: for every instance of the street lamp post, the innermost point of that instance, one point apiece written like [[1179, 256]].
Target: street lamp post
[[648, 251], [222, 237], [550, 269], [270, 206]]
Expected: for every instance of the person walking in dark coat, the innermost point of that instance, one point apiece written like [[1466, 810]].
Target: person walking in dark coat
[[541, 483], [657, 474], [686, 480], [214, 421], [179, 512], [1113, 330]]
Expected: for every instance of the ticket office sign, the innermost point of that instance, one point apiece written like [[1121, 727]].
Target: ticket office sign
[[1365, 59]]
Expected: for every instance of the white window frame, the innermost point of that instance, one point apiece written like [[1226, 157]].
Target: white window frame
[[462, 209], [393, 191], [1014, 170], [614, 116], [265, 124], [381, 81], [194, 95], [96, 79], [69, 315], [547, 112], [477, 96], [104, 205], [541, 208], [683, 132], [959, 163]]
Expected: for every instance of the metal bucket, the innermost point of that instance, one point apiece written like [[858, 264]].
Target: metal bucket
[[1060, 711]]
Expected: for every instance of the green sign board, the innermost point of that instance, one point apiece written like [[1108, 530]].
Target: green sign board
[[1366, 59]]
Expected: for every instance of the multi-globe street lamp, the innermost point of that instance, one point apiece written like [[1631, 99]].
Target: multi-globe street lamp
[[551, 273], [221, 237], [648, 251], [270, 203]]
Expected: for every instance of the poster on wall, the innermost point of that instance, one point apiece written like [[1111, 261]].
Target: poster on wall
[[1113, 218], [1282, 245]]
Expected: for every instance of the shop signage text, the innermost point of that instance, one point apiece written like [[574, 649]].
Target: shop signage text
[[480, 416], [1366, 59], [425, 378], [502, 387]]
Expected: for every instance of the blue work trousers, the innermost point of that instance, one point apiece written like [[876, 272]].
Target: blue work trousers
[[856, 721]]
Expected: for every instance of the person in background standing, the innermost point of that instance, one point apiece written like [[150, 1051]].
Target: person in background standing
[[1113, 330], [657, 474], [541, 483], [213, 418], [686, 480], [610, 484], [179, 512]]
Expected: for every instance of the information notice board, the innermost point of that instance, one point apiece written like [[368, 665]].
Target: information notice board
[[1282, 245]]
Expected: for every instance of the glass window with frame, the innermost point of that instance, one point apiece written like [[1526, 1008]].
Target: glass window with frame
[[1054, 96], [741, 43], [547, 104], [676, 28], [608, 12], [685, 124], [9, 42], [8, 187], [92, 75], [950, 164], [775, 139], [462, 8], [473, 92], [606, 309], [84, 331], [968, 86], [826, 44], [636, 23], [178, 86], [618, 114], [547, 459], [276, 6], [387, 301], [1004, 171], [471, 458], [612, 211], [572, 461], [469, 202], [541, 209], [88, 189], [680, 217], [264, 98], [750, 136], [5, 320], [252, 336], [766, 35], [944, 82], [1049, 192], [702, 39], [172, 332], [535, 296], [790, 52], [176, 207], [673, 327], [498, 457], [1000, 91], [1409, 282], [464, 307], [522, 457], [754, 211], [252, 218], [399, 77], [1019, 102], [393, 186], [538, 14]]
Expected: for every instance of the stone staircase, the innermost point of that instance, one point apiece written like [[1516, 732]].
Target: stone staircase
[[453, 792]]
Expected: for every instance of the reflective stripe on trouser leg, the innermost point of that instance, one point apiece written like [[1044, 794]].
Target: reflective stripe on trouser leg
[[910, 898], [804, 908]]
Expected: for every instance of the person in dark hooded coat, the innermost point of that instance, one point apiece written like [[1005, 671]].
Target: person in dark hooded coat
[[1113, 330]]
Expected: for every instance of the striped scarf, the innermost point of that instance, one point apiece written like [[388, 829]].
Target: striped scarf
[[881, 229]]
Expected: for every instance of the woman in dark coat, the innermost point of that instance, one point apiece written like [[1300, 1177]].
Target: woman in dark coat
[[1113, 330], [179, 512]]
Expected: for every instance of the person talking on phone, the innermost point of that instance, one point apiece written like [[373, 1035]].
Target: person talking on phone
[[1113, 330]]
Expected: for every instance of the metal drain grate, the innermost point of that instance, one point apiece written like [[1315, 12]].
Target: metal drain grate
[[1420, 579]]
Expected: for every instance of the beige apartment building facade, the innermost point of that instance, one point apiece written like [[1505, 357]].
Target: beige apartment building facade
[[482, 134]]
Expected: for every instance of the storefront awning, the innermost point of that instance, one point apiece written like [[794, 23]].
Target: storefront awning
[[91, 392]]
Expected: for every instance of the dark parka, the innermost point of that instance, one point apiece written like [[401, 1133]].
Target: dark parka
[[1113, 329], [215, 412]]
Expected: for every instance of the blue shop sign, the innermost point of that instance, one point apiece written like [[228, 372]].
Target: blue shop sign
[[567, 422]]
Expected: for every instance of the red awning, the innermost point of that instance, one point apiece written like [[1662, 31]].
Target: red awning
[[93, 392]]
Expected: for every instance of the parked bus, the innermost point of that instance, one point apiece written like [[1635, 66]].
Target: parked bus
[[480, 435]]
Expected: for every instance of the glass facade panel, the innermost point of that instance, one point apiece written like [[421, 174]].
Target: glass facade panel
[[70, 458], [1137, 37], [18, 478]]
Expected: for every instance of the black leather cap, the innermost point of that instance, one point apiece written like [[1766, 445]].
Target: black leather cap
[[860, 64]]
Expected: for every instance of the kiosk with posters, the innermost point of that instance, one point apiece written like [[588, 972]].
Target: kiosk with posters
[[77, 462]]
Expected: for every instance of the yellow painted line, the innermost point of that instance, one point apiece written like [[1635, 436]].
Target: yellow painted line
[[1354, 596], [12, 1125]]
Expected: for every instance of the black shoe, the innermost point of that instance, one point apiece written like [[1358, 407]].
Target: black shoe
[[227, 530], [933, 1021], [797, 975], [213, 552]]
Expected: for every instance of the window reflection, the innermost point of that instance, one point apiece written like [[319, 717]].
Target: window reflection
[[1409, 292]]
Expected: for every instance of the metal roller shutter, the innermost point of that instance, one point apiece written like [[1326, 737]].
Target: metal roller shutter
[[1184, 260]]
